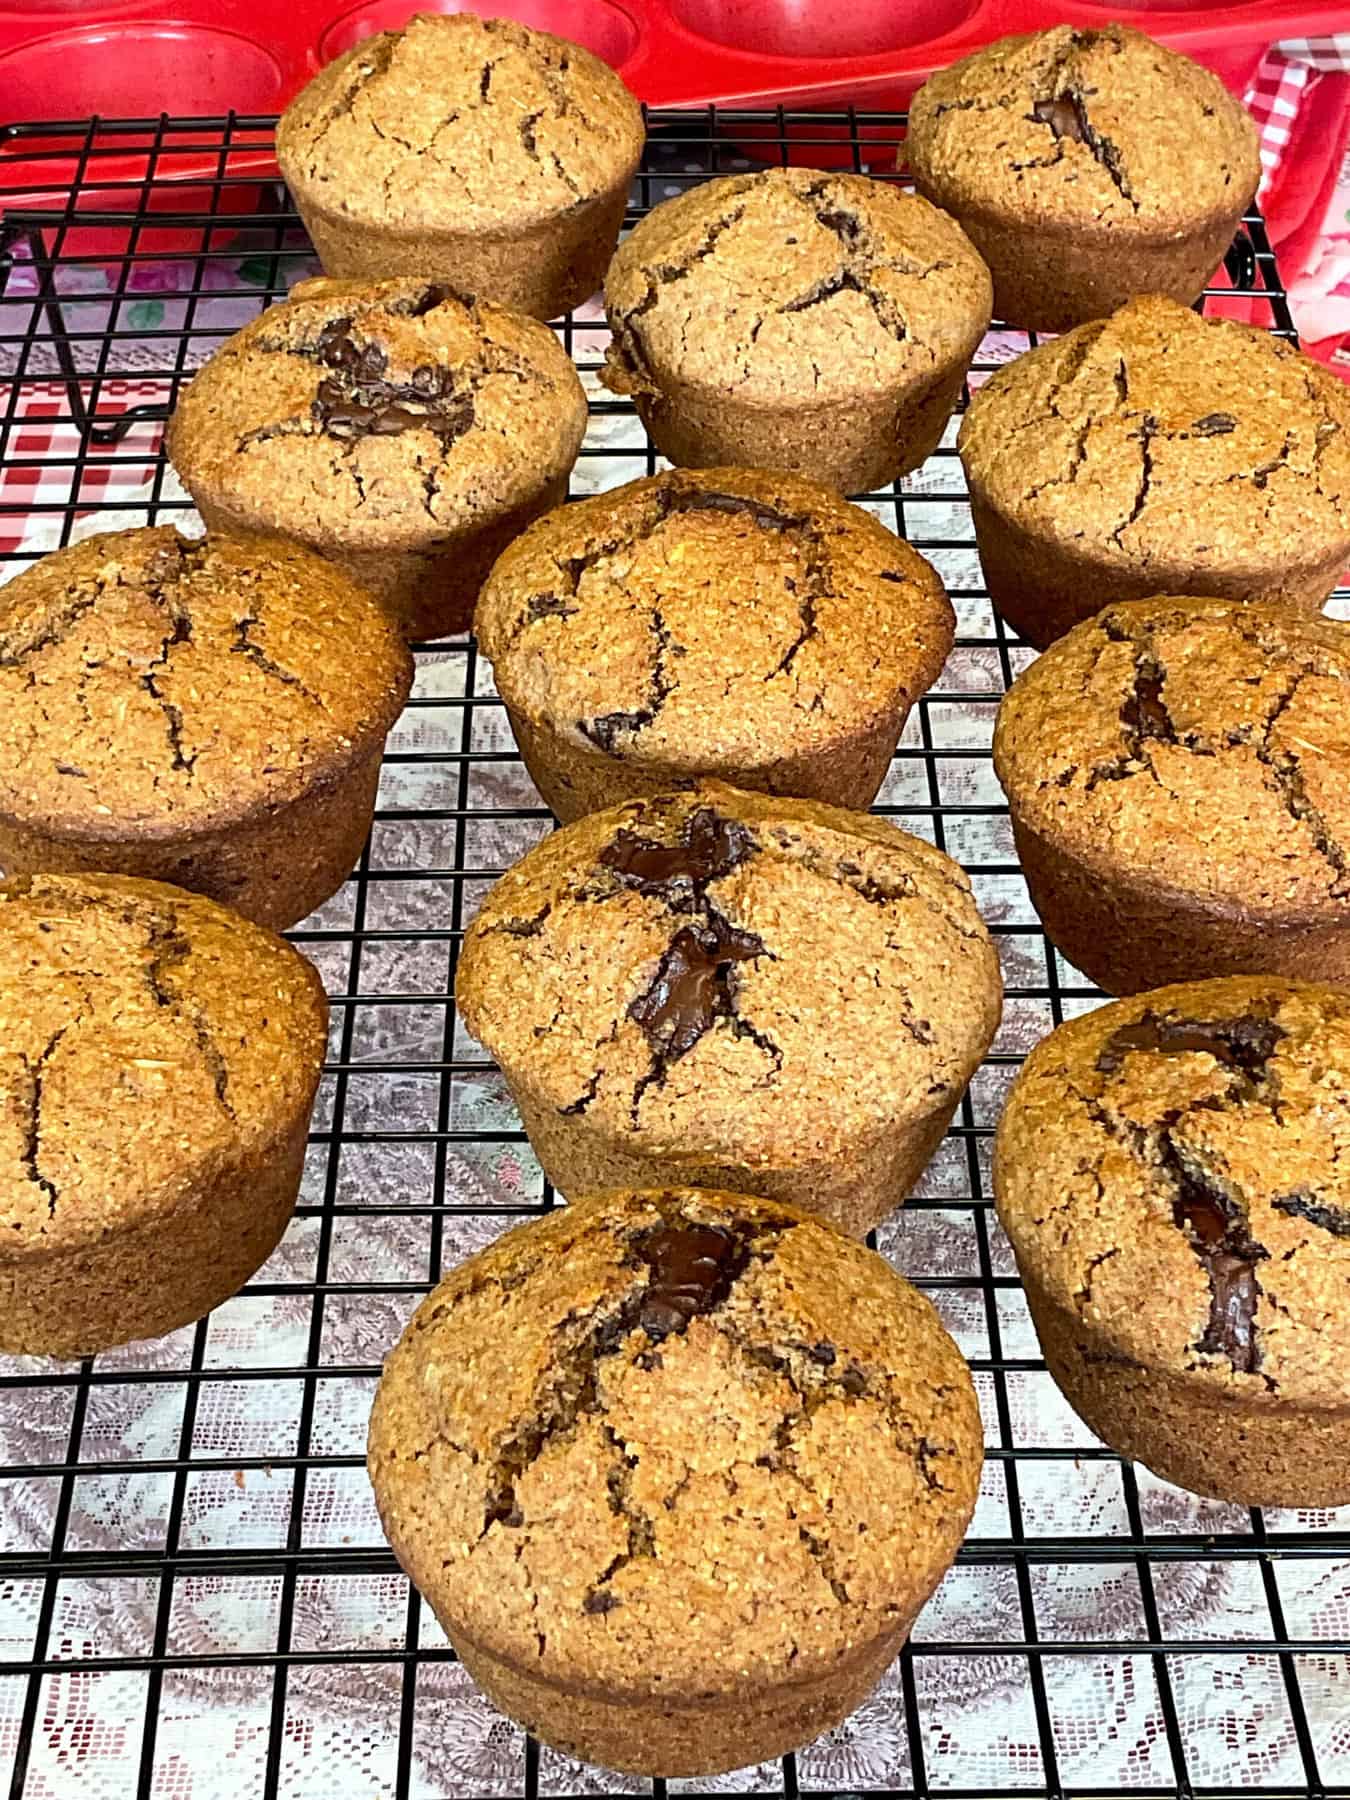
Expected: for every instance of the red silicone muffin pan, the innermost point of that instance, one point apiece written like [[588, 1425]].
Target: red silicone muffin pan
[[69, 59]]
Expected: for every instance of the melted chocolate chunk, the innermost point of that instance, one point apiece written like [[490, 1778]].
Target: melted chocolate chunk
[[1302, 1205], [1144, 713], [1244, 1044], [357, 401], [1219, 1237], [677, 500], [692, 1268], [693, 985], [1215, 424], [709, 846], [550, 606], [1064, 116]]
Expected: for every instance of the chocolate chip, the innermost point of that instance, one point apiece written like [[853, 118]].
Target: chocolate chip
[[1335, 1219], [823, 1353], [600, 1600], [550, 606], [1245, 1044], [1219, 1237], [691, 987], [1064, 116], [709, 847], [692, 1271], [1215, 424], [853, 1380]]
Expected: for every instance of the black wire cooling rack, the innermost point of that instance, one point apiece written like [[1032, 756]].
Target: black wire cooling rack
[[195, 1599]]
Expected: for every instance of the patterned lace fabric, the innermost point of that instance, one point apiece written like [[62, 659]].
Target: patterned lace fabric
[[985, 1718]]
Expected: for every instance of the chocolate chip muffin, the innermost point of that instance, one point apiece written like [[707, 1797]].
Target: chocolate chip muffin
[[1172, 1173], [405, 433], [676, 1471], [1178, 773], [1157, 452], [210, 713], [468, 150], [796, 320], [158, 1061], [736, 991], [734, 623], [1086, 167]]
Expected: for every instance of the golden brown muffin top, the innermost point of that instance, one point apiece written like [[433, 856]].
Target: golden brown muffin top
[[151, 684], [1199, 747], [1065, 128], [1160, 434], [1175, 1169], [147, 1037], [459, 121], [793, 286], [681, 1430], [720, 974], [712, 620], [379, 414]]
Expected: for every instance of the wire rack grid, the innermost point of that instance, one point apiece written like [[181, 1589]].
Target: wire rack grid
[[195, 1598]]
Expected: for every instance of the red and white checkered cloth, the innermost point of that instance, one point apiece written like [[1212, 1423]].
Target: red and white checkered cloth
[[1301, 103]]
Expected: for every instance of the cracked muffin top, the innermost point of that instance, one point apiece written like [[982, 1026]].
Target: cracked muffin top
[[1175, 1169], [153, 682], [726, 973], [146, 1034], [1158, 434], [791, 285], [1201, 746], [722, 618], [460, 121], [380, 414], [1068, 127], [679, 1430]]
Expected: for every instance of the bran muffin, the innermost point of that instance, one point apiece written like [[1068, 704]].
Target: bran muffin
[[206, 712], [1086, 167], [1172, 1172], [159, 1057], [735, 623], [738, 991], [794, 319], [467, 150], [1178, 773], [402, 431], [1157, 452], [556, 1436]]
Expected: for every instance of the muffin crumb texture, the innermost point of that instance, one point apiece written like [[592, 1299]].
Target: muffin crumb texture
[[732, 622], [1157, 452], [1170, 1171], [1100, 124], [461, 121], [160, 1059], [1200, 745], [787, 993], [676, 1471], [818, 283]]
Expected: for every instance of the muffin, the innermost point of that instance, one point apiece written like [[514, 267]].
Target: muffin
[[468, 150], [1178, 773], [735, 623], [404, 432], [1170, 1172], [210, 713], [160, 1058], [1086, 167], [556, 1436], [796, 320], [1157, 452], [736, 991]]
